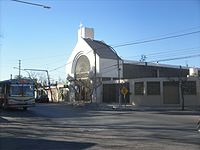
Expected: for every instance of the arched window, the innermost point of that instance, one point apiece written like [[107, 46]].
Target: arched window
[[82, 67]]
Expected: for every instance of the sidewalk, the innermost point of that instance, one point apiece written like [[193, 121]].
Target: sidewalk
[[116, 107]]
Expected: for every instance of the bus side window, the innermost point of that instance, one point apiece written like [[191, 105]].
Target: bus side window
[[1, 91], [7, 88]]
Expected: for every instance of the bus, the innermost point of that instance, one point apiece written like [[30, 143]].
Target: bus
[[17, 93]]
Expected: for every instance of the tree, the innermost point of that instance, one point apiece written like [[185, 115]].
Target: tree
[[40, 80]]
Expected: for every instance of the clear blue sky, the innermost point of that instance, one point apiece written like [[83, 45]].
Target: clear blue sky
[[44, 38]]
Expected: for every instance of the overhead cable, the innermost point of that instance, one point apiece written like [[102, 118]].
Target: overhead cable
[[177, 58], [156, 39]]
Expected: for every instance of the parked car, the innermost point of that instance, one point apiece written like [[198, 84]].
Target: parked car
[[42, 99]]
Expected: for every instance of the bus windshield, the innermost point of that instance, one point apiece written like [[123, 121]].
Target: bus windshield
[[21, 90]]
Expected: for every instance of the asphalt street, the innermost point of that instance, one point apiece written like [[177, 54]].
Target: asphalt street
[[63, 126]]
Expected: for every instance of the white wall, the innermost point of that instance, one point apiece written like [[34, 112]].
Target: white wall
[[109, 68], [193, 100], [157, 100], [144, 100]]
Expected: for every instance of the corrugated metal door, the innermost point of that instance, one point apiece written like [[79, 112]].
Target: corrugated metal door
[[110, 93], [171, 93]]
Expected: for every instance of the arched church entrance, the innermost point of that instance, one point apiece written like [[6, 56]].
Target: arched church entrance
[[82, 83]]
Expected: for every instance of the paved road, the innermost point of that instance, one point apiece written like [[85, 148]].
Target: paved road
[[63, 127]]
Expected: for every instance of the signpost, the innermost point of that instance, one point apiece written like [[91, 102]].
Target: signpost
[[124, 91]]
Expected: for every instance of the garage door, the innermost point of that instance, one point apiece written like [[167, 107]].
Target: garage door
[[171, 93], [110, 93]]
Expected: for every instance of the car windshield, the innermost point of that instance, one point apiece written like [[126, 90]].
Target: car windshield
[[21, 90]]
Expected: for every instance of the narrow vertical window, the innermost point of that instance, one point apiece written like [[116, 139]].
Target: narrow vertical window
[[153, 88], [139, 88]]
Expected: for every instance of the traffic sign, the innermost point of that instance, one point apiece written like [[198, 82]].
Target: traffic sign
[[124, 90]]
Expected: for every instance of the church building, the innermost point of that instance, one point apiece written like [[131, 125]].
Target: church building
[[97, 74]]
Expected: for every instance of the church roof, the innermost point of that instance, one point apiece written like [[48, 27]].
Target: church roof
[[102, 49]]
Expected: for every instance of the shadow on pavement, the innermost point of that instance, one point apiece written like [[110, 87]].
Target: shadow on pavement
[[17, 113], [179, 112], [9, 143]]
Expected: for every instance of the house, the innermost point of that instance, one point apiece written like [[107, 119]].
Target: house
[[96, 73]]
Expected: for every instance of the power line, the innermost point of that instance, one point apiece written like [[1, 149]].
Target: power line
[[177, 58], [174, 51], [173, 54], [156, 39], [169, 52], [134, 43], [105, 68], [114, 66], [61, 66], [168, 59], [45, 57], [167, 34], [58, 68], [72, 61]]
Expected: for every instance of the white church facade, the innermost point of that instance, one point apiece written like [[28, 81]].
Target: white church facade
[[91, 62]]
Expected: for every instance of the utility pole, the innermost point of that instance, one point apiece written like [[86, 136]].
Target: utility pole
[[118, 75], [181, 89], [119, 93], [95, 75], [19, 68]]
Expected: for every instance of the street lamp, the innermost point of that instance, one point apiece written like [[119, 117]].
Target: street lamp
[[118, 72], [34, 4], [48, 78]]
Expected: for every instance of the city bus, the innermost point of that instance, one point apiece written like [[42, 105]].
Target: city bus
[[17, 93]]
